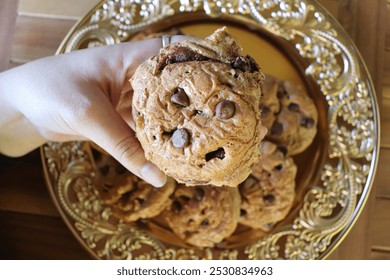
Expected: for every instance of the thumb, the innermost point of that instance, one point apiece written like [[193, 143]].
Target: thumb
[[114, 135]]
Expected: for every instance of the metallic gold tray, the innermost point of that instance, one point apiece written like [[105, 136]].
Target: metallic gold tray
[[294, 40]]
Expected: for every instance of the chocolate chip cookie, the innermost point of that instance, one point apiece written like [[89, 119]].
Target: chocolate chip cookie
[[196, 110], [289, 115], [129, 197], [268, 193], [203, 215]]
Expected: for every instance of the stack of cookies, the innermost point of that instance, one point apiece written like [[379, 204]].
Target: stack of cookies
[[202, 109]]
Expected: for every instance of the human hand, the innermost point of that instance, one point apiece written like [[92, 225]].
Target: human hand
[[83, 95]]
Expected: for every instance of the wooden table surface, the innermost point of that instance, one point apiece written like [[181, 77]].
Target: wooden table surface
[[30, 225]]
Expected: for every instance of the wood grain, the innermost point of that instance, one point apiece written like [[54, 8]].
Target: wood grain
[[16, 195], [27, 236], [382, 182], [381, 225], [69, 9], [360, 18], [8, 9], [34, 229], [385, 123], [37, 37]]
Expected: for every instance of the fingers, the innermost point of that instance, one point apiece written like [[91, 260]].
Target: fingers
[[179, 38], [112, 133]]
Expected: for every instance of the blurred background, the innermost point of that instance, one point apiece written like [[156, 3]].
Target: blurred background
[[30, 225]]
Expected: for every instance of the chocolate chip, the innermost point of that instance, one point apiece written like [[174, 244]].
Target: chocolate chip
[[268, 199], [125, 197], [242, 212], [245, 64], [180, 138], [294, 107], [307, 122], [254, 66], [265, 112], [180, 97], [185, 198], [278, 167], [219, 153], [205, 222], [176, 207], [225, 110], [281, 92], [277, 128], [199, 194], [181, 54], [240, 64]]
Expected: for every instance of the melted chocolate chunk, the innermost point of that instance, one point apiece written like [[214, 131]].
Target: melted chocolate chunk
[[225, 110], [254, 66], [176, 207], [180, 138], [185, 198], [219, 153], [240, 64], [125, 197], [281, 92], [181, 54], [180, 97], [294, 107], [242, 212], [278, 167], [245, 64], [268, 199], [277, 128], [199, 194], [205, 222], [307, 122]]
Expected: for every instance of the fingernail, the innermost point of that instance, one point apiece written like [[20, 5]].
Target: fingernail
[[154, 176]]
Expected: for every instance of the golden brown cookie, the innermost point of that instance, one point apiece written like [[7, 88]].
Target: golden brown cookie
[[289, 115], [129, 197], [196, 110], [268, 193], [203, 215]]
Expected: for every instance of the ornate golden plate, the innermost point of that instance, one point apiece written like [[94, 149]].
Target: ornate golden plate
[[291, 39]]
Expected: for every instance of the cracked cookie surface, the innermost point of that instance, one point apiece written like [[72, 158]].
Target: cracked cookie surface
[[129, 197], [268, 193], [203, 215], [289, 114], [196, 110]]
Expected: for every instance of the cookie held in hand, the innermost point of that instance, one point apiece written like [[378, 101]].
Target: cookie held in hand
[[196, 110]]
